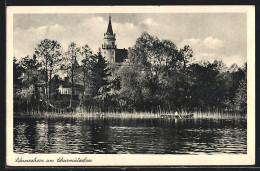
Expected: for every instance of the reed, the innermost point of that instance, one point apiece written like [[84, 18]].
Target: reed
[[82, 114]]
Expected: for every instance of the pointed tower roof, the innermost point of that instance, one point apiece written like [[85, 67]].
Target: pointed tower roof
[[109, 27]]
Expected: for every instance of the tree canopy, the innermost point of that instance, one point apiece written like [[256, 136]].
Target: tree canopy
[[158, 77]]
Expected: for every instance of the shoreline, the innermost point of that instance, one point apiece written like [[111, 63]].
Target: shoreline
[[197, 115]]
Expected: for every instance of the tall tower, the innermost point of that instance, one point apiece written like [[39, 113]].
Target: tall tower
[[109, 45]]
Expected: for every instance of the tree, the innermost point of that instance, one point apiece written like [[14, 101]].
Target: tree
[[131, 93], [99, 79], [241, 96], [152, 60], [100, 72], [49, 55], [71, 55], [185, 55], [205, 85], [241, 93], [26, 85], [234, 75], [17, 74], [152, 54], [87, 63], [31, 67]]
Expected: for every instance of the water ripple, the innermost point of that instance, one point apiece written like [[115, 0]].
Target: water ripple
[[130, 136]]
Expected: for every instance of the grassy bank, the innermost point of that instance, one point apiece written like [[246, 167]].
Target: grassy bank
[[197, 115]]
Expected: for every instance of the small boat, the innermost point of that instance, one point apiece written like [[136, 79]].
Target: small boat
[[190, 115]]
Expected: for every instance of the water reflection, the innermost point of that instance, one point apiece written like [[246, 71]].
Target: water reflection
[[130, 136]]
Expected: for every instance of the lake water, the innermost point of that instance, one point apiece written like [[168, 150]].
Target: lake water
[[130, 136]]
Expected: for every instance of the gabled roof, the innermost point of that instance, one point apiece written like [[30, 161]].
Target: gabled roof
[[109, 27]]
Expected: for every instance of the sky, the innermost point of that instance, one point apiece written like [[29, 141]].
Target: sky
[[212, 36]]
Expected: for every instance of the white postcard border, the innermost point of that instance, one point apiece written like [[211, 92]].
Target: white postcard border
[[134, 159]]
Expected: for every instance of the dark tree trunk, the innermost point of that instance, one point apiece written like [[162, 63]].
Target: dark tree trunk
[[50, 85], [46, 79], [72, 84]]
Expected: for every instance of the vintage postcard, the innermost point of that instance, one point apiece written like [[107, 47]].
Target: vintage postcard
[[130, 85]]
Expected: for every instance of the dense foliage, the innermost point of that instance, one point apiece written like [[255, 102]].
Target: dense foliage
[[158, 77]]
